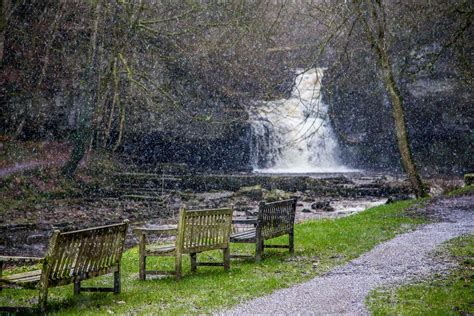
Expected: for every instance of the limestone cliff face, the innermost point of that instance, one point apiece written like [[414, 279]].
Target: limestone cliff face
[[225, 150], [439, 111]]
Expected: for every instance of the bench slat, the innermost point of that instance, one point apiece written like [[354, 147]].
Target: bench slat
[[248, 236], [157, 249], [23, 275], [210, 264], [273, 220], [72, 257]]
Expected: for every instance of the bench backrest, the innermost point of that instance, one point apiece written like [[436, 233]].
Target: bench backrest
[[276, 218], [87, 252], [201, 230]]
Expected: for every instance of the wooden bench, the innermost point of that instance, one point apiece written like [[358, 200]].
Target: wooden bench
[[273, 220], [71, 258], [197, 231]]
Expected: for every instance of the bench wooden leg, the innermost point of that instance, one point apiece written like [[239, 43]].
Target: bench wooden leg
[[226, 253], [1, 273], [117, 283], [258, 250], [142, 258], [77, 287], [193, 262], [291, 242], [142, 268], [43, 299], [43, 290], [178, 266]]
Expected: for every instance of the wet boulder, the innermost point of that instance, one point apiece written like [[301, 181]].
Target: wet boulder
[[324, 206], [276, 195], [469, 178], [242, 206], [398, 198]]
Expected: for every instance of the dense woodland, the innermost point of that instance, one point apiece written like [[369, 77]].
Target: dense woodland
[[122, 118], [173, 81]]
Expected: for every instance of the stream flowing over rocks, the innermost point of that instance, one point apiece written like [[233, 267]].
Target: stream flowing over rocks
[[405, 258]]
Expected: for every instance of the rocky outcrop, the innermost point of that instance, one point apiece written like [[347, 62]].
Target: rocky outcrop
[[439, 114]]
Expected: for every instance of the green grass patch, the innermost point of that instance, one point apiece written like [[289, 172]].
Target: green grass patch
[[465, 190], [320, 245], [448, 295]]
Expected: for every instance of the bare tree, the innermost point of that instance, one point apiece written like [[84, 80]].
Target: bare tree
[[381, 31], [375, 24], [87, 96]]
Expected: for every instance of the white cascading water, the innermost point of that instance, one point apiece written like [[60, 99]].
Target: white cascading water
[[294, 135]]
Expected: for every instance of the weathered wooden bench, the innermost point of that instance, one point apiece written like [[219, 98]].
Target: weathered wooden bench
[[71, 258], [197, 231], [273, 220]]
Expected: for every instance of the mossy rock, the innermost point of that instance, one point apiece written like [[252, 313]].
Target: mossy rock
[[253, 192], [276, 195], [469, 178], [186, 196]]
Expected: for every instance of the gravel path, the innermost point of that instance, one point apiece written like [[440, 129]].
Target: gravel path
[[406, 257]]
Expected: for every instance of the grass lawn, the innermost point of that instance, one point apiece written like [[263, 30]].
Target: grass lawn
[[447, 295], [465, 190], [319, 246]]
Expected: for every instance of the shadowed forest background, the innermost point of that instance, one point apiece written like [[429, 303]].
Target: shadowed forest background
[[169, 81], [347, 125]]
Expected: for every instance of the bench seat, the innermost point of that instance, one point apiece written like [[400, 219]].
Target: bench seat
[[156, 249], [24, 279], [248, 236]]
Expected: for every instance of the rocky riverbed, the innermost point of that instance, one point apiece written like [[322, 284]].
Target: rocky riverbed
[[26, 232]]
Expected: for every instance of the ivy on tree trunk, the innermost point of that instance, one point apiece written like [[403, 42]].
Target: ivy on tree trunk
[[377, 42]]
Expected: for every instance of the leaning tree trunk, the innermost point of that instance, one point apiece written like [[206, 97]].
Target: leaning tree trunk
[[82, 135], [398, 112], [378, 44], [4, 13]]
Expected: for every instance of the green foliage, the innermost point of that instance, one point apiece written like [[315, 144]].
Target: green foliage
[[320, 245], [469, 178], [447, 295], [465, 190]]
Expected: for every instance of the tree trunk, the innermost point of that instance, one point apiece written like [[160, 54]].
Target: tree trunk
[[4, 7], [82, 134], [378, 45], [79, 148], [398, 112]]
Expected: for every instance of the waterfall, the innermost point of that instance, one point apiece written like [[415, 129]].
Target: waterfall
[[294, 135]]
